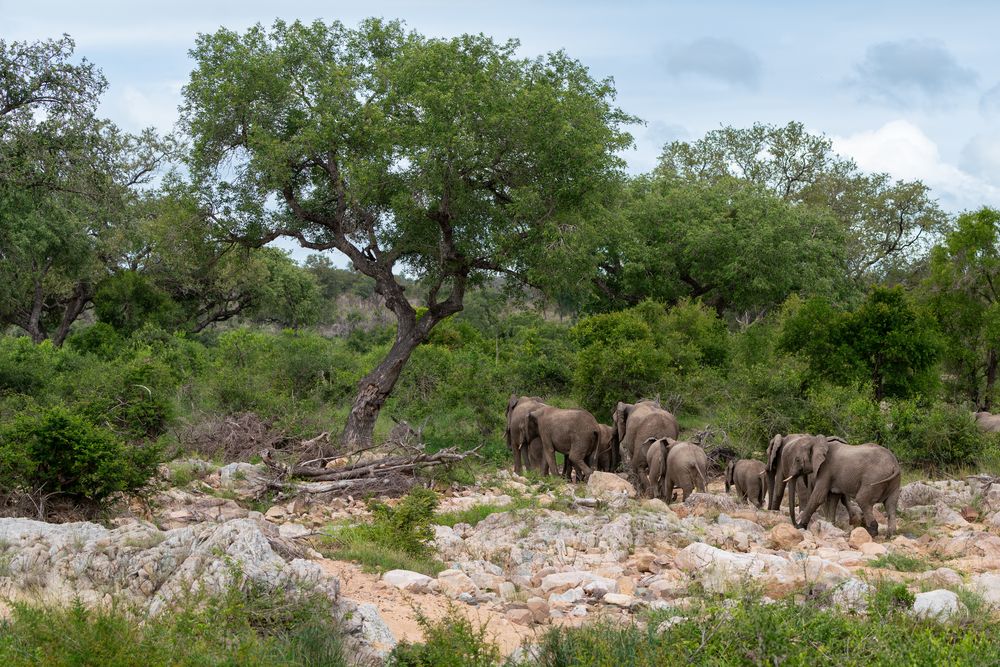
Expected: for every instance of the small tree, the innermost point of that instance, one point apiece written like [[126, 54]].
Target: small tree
[[451, 158]]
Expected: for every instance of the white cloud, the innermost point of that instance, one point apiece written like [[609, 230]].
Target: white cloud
[[981, 156], [140, 107], [901, 149]]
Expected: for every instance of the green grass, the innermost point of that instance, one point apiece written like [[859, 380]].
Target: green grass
[[449, 642], [785, 633], [236, 628], [477, 513], [901, 563], [375, 555], [397, 537]]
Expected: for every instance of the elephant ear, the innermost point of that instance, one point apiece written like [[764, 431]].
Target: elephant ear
[[774, 451], [819, 447], [511, 404]]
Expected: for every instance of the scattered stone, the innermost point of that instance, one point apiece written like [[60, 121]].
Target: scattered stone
[[917, 493], [618, 600], [507, 590], [669, 623], [606, 484], [520, 616], [858, 537], [655, 505], [539, 609], [784, 536], [946, 516], [290, 531], [940, 604], [943, 577], [852, 595], [562, 581], [454, 583], [873, 549], [987, 585], [405, 580], [566, 597]]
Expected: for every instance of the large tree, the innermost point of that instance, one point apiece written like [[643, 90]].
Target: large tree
[[67, 183], [451, 158], [888, 223], [963, 291]]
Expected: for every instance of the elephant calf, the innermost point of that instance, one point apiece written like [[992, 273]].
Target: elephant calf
[[686, 467], [749, 478]]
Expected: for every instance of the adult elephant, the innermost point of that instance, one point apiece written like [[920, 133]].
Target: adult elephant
[[605, 457], [780, 454], [868, 473], [530, 451], [572, 432], [634, 424], [987, 422], [686, 467], [749, 478]]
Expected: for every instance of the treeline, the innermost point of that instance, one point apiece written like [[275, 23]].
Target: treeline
[[755, 280]]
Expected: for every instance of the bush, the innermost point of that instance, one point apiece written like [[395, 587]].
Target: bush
[[396, 538], [936, 436], [60, 452], [449, 642]]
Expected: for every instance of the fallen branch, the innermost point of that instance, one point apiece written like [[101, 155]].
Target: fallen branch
[[369, 475]]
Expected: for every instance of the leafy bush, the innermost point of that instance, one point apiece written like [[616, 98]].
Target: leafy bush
[[449, 642], [235, 628], [938, 435], [396, 538], [60, 452]]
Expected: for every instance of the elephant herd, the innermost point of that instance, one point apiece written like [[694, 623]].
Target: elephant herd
[[819, 471]]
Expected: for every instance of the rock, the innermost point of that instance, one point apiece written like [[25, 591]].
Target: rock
[[858, 537], [703, 501], [646, 562], [275, 513], [824, 530], [618, 600], [721, 570], [366, 625], [852, 595], [945, 516], [668, 584], [940, 604], [454, 583], [447, 542], [942, 577], [292, 530], [626, 585], [969, 513], [656, 505], [917, 493], [873, 549], [784, 536], [566, 597], [539, 609], [520, 616], [562, 581], [508, 591], [606, 484], [405, 580], [987, 585], [669, 623], [579, 611]]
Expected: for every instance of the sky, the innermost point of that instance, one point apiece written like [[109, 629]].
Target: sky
[[909, 88]]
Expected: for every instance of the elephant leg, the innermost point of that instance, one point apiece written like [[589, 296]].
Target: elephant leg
[[686, 491], [578, 455], [668, 490], [866, 499], [791, 499], [830, 507], [890, 513], [516, 451], [821, 488], [567, 470], [550, 458], [778, 495]]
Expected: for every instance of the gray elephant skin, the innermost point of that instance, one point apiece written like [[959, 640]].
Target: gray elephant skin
[[606, 457], [686, 467], [867, 473], [987, 422], [518, 408], [780, 454], [634, 424], [749, 476], [572, 432]]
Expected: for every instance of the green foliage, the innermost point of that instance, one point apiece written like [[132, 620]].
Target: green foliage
[[886, 340], [959, 292], [477, 513], [396, 538], [900, 563], [800, 633], [937, 435], [59, 452], [235, 628], [449, 642], [129, 300]]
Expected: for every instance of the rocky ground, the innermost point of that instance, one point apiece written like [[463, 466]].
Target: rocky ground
[[575, 554]]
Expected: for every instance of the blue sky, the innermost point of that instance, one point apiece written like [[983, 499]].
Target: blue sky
[[911, 88]]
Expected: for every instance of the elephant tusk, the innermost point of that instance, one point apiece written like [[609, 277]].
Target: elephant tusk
[[788, 478]]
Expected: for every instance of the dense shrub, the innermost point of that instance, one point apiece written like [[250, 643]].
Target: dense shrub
[[936, 435], [449, 642], [59, 452]]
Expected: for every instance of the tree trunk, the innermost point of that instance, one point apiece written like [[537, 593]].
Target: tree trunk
[[991, 379], [374, 388]]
